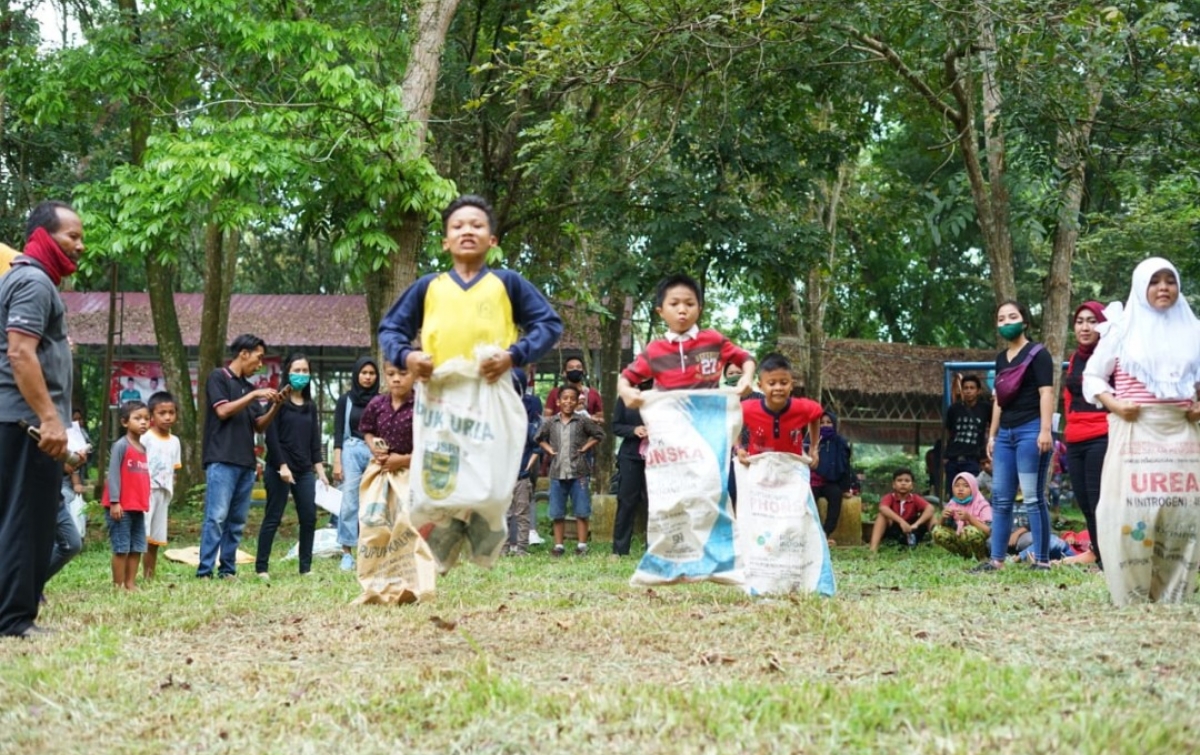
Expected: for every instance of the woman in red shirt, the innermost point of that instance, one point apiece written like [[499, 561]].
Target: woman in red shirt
[[1087, 427]]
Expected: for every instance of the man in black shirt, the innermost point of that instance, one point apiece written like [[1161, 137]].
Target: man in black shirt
[[967, 420], [232, 417]]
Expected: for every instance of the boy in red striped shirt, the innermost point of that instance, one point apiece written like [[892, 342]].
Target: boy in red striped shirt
[[688, 357]]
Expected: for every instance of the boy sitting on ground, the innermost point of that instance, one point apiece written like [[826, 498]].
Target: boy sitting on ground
[[903, 516]]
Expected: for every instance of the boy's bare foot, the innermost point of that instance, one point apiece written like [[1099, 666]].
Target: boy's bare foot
[[831, 542]]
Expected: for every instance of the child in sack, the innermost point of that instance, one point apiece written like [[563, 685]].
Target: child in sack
[[127, 495], [566, 439], [687, 358]]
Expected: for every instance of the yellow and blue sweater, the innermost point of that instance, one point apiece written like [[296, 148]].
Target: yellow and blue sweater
[[453, 317]]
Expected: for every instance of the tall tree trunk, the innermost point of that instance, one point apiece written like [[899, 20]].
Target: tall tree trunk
[[610, 367], [214, 318], [819, 276], [996, 198], [160, 278], [407, 228], [1073, 138]]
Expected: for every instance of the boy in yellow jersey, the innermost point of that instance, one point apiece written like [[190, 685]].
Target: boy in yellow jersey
[[469, 305]]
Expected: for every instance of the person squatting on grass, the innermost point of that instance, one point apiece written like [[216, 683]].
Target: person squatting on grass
[[126, 496], [1087, 427], [350, 453], [566, 439], [469, 305], [1019, 440], [35, 389], [966, 520], [295, 461], [165, 457], [903, 515], [686, 358], [1146, 372], [234, 413]]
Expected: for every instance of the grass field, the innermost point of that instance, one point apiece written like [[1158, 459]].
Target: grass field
[[541, 654]]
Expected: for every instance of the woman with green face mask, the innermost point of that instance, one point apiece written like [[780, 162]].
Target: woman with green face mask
[[295, 462], [1019, 440]]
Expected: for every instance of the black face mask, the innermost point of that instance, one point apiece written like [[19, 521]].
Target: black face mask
[[575, 376]]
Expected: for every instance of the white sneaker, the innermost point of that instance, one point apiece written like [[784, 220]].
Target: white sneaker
[[264, 576], [535, 538]]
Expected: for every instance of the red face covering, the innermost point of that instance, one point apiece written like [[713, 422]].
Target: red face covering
[[45, 250]]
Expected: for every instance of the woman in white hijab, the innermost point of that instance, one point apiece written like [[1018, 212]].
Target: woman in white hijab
[[1146, 371]]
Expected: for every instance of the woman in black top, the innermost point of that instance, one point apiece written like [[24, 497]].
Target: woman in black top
[[1019, 440], [294, 463]]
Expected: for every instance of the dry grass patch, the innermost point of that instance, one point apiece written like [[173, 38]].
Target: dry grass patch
[[914, 655]]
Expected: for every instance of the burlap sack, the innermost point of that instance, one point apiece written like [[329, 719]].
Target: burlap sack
[[395, 564], [1149, 511]]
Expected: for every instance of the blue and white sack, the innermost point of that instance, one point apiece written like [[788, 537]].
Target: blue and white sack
[[690, 529], [468, 435], [779, 529]]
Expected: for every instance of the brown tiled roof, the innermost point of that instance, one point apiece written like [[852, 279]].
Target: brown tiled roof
[[280, 320], [309, 320]]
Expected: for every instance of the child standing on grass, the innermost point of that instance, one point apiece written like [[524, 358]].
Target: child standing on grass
[[903, 515], [566, 439], [688, 357], [127, 495], [164, 456]]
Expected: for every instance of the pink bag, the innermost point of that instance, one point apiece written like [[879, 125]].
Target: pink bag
[[1008, 381]]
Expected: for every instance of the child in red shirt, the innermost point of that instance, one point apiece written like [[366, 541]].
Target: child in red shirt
[[127, 495], [777, 421], [903, 515]]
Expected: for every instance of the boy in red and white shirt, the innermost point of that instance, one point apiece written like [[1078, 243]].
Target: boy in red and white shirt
[[687, 358], [903, 515]]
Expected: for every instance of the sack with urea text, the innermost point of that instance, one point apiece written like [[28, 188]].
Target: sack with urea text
[[1008, 381], [690, 530], [1148, 516], [395, 564], [779, 530], [468, 435]]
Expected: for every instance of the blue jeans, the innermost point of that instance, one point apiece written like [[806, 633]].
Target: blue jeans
[[226, 504], [355, 458], [581, 500], [67, 541], [1016, 460]]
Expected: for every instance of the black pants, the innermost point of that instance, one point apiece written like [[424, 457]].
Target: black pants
[[1085, 461], [304, 492], [631, 498], [832, 494], [30, 489]]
